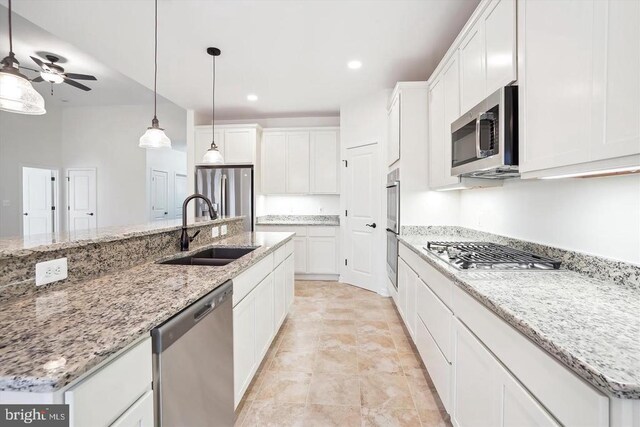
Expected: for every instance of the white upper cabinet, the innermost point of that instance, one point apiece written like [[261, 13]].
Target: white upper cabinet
[[325, 158], [488, 52], [274, 163], [393, 147], [236, 143], [300, 161], [586, 118], [298, 148]]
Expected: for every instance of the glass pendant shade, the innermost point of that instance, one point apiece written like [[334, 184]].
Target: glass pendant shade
[[17, 95], [212, 156], [154, 137]]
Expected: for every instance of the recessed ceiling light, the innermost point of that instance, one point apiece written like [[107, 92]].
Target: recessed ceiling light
[[354, 65], [252, 97]]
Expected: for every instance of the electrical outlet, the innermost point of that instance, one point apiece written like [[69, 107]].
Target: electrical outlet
[[215, 232], [223, 229], [51, 271]]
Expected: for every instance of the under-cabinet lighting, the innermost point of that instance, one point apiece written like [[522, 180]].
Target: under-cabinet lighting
[[592, 174]]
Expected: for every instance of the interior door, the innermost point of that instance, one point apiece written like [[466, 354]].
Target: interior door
[[159, 194], [81, 200], [363, 246], [179, 193], [37, 201]]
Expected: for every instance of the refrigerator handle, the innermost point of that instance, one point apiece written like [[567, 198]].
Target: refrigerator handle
[[223, 195]]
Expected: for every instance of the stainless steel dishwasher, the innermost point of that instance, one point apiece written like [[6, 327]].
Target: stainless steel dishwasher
[[193, 364]]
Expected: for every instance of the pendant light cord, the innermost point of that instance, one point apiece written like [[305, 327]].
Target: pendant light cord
[[213, 102], [10, 33], [155, 65]]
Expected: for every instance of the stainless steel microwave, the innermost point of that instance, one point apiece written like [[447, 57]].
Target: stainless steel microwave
[[484, 141]]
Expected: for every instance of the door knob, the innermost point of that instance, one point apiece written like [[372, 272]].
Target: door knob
[[372, 225], [90, 213], [25, 214]]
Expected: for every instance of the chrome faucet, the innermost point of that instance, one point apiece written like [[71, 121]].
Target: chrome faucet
[[185, 239]]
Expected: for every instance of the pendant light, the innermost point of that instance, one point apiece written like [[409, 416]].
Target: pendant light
[[213, 155], [16, 93], [155, 137]]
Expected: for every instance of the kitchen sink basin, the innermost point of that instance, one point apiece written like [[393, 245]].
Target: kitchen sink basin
[[215, 256]]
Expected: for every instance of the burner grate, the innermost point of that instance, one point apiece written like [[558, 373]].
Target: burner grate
[[469, 254]]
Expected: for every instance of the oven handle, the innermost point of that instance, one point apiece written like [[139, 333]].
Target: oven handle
[[480, 153], [393, 184]]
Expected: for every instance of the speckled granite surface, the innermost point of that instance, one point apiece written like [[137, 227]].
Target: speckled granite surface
[[50, 339], [329, 220], [590, 325]]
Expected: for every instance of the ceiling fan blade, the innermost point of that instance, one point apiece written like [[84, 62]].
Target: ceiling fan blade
[[80, 76], [76, 84], [38, 79], [30, 69], [37, 61]]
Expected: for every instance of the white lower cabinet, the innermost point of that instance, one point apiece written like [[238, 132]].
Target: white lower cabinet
[[485, 371], [140, 414], [265, 295], [300, 248], [485, 394]]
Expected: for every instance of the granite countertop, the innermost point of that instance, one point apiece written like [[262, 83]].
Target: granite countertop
[[592, 326], [51, 339], [328, 220]]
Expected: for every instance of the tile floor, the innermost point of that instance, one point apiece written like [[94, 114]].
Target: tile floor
[[342, 358]]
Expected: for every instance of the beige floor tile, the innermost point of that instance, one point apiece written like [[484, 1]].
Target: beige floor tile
[[376, 343], [339, 314], [299, 343], [336, 361], [338, 326], [371, 363], [332, 415], [334, 389], [254, 387], [424, 396], [376, 327], [241, 412], [402, 343], [330, 341], [284, 387], [412, 365], [268, 414], [390, 417], [385, 390], [293, 361]]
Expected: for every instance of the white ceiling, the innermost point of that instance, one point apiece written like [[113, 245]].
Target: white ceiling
[[292, 54]]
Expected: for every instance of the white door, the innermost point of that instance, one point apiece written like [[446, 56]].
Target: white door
[[179, 193], [159, 194], [362, 242], [37, 201], [81, 200]]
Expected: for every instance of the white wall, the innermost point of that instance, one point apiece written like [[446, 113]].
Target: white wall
[[24, 141], [599, 216], [298, 205]]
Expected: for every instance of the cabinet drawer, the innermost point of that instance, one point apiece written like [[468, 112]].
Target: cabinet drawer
[[438, 283], [103, 397], [437, 318], [321, 231], [438, 367], [249, 279], [571, 400], [140, 414], [280, 255]]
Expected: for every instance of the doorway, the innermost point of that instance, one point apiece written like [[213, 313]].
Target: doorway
[[39, 201], [179, 193], [159, 195], [82, 213], [362, 238]]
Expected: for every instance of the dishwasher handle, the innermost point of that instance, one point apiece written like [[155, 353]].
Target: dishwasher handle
[[163, 336]]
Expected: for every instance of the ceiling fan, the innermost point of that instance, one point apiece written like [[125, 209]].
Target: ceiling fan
[[54, 73]]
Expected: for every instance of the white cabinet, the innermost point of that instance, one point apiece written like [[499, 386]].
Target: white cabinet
[[265, 313], [300, 161], [280, 306], [289, 281], [485, 391], [236, 143], [244, 345], [403, 271], [472, 68], [274, 163], [324, 158], [300, 249], [140, 414], [587, 117], [393, 147]]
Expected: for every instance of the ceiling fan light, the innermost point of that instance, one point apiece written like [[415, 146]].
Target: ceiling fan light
[[52, 77], [213, 156], [154, 137], [17, 95]]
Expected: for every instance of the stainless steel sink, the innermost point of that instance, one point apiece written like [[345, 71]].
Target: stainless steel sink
[[215, 256]]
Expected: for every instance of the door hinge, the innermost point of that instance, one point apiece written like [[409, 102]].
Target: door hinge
[[53, 208], [53, 178], [68, 179], [346, 163], [345, 261], [345, 212]]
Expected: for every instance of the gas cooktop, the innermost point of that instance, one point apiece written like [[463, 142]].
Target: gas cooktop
[[489, 256]]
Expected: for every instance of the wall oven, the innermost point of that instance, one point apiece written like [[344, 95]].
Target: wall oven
[[484, 141], [393, 224]]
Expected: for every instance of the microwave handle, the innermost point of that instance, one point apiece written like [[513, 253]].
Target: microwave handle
[[480, 153]]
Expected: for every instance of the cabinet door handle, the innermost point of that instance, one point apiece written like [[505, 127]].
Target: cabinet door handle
[[90, 213], [372, 225]]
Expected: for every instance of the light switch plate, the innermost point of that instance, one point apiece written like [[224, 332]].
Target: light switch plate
[[215, 232], [223, 229], [51, 271]]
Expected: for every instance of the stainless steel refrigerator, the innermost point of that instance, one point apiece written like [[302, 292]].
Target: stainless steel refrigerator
[[230, 189]]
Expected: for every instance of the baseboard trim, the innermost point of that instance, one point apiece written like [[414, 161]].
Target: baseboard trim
[[322, 277]]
